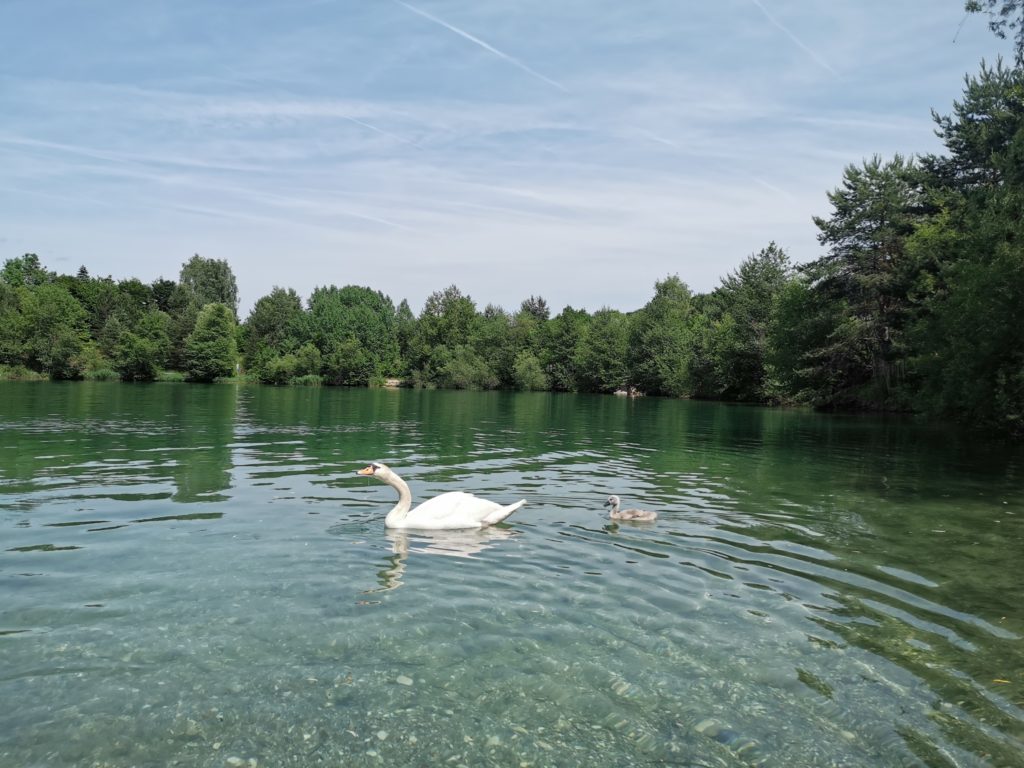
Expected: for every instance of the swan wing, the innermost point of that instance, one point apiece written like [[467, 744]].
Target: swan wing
[[456, 509]]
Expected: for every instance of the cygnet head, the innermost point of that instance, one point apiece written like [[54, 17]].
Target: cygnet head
[[613, 501]]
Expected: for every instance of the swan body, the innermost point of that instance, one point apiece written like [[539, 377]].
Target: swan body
[[642, 515], [449, 511]]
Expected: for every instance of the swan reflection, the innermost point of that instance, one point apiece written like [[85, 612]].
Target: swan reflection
[[461, 543]]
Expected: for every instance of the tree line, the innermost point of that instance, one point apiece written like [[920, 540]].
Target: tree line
[[914, 305]]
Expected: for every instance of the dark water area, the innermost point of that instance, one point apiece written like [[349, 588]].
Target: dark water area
[[194, 575]]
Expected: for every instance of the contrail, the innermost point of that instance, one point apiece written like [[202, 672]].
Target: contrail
[[487, 47], [772, 187], [794, 38], [381, 131]]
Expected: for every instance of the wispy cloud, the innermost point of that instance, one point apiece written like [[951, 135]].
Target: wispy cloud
[[799, 43], [336, 144], [122, 157], [486, 46]]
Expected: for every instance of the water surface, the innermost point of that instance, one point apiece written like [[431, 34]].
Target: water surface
[[193, 575]]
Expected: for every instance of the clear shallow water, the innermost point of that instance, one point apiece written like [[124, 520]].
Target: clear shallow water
[[194, 576]]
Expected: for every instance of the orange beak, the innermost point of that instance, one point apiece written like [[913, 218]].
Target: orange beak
[[365, 471]]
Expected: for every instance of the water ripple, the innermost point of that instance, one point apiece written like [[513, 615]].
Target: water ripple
[[816, 591]]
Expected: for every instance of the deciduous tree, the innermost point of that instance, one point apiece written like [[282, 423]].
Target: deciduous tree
[[210, 281], [602, 352], [661, 347]]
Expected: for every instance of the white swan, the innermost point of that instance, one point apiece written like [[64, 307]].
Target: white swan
[[449, 511], [628, 514]]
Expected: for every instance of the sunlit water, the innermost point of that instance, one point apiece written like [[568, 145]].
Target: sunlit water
[[193, 575]]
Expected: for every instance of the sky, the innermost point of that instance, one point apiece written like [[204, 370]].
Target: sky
[[578, 150]]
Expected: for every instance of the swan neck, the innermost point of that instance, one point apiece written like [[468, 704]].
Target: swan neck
[[401, 509]]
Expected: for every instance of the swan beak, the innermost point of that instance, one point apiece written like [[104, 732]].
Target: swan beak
[[365, 471]]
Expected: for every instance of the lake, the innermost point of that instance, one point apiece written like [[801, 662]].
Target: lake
[[194, 575]]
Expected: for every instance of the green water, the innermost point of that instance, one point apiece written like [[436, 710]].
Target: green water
[[193, 575]]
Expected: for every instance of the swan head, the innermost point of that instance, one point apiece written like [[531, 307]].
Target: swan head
[[613, 501], [375, 469]]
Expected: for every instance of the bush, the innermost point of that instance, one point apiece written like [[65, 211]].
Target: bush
[[19, 373], [348, 365], [278, 370], [528, 374], [308, 360], [93, 364], [136, 358], [467, 370], [102, 374], [62, 358]]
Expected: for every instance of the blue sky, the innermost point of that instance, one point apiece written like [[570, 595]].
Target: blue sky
[[576, 149]]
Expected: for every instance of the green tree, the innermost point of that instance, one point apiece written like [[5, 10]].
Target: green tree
[[354, 328], [308, 360], [136, 358], [162, 291], [99, 297], [797, 329], [183, 309], [348, 364], [875, 211], [279, 369], [465, 369], [493, 341], [134, 299], [528, 373], [448, 320], [537, 307], [210, 350], [661, 347], [11, 325], [25, 271], [274, 326], [55, 330], [210, 281], [602, 352], [970, 341], [738, 339], [562, 337], [143, 348], [527, 331], [448, 317], [405, 333]]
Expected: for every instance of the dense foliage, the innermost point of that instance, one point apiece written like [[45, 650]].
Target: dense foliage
[[913, 305], [210, 350]]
